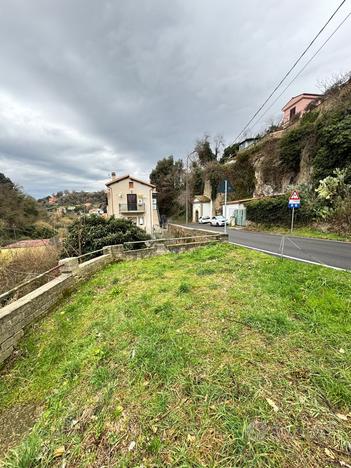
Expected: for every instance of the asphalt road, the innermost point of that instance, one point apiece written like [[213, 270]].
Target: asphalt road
[[326, 252]]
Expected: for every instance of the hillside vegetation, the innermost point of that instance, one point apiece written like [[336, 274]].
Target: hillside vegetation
[[20, 215], [218, 357], [313, 153], [74, 198], [310, 150]]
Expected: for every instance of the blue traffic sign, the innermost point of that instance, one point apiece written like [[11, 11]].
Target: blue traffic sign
[[294, 204]]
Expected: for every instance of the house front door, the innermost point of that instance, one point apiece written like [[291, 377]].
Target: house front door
[[132, 202]]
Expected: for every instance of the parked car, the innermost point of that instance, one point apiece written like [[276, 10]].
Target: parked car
[[218, 221], [204, 219]]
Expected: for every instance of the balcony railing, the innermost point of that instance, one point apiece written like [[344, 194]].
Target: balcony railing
[[131, 208]]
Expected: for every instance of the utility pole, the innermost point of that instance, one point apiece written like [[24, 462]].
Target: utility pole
[[187, 187], [225, 205]]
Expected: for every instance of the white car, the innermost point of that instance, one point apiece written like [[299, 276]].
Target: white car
[[218, 221], [205, 219]]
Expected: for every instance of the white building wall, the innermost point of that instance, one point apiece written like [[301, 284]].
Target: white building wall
[[203, 209], [147, 218], [232, 207]]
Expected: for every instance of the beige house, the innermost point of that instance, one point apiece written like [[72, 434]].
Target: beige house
[[134, 199]]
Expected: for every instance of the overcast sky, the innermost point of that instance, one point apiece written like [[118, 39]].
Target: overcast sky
[[92, 86]]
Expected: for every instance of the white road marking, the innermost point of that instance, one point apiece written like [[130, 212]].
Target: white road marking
[[288, 256]]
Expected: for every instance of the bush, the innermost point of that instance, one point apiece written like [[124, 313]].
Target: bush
[[91, 233], [43, 230], [275, 211], [295, 140], [341, 218], [334, 144]]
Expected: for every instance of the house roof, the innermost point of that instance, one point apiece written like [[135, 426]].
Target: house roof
[[118, 179], [202, 198], [296, 99], [28, 243], [248, 139]]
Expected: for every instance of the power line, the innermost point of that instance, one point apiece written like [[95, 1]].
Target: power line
[[290, 70], [304, 67]]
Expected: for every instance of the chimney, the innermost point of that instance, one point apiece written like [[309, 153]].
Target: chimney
[[113, 176]]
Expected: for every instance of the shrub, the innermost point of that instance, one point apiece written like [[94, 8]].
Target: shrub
[[274, 210], [91, 233], [334, 144], [341, 217], [43, 230]]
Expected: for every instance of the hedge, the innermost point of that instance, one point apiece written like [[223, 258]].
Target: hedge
[[274, 210]]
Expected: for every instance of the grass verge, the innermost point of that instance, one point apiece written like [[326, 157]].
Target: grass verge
[[300, 232], [217, 357]]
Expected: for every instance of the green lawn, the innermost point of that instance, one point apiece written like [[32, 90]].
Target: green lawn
[[219, 357], [301, 231]]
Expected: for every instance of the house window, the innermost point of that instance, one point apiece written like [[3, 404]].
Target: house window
[[141, 220], [131, 184], [154, 201], [292, 113]]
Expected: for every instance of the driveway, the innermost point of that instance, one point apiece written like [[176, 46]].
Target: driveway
[[333, 254]]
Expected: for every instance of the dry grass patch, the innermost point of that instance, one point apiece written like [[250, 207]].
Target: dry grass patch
[[19, 265]]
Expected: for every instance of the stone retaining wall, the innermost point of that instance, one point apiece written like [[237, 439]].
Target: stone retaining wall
[[15, 317], [179, 230]]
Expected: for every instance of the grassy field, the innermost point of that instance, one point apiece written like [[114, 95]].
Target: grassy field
[[219, 357], [304, 231]]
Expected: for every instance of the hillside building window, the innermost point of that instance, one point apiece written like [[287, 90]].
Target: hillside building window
[[131, 184], [292, 113]]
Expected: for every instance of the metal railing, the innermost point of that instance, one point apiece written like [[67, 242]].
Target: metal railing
[[134, 208], [93, 254], [148, 243]]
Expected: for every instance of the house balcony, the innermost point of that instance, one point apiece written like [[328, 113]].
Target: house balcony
[[131, 208]]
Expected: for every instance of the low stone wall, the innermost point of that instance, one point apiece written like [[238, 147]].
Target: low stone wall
[[15, 317], [178, 230]]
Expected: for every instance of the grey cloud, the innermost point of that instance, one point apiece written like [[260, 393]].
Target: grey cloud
[[118, 85]]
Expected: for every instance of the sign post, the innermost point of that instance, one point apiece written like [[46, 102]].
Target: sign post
[[294, 202], [225, 187], [225, 205]]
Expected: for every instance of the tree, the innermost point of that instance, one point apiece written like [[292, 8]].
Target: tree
[[196, 179], [18, 211], [91, 233], [168, 176], [204, 151], [215, 173], [218, 146]]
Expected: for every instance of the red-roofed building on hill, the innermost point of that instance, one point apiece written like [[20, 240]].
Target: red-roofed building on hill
[[298, 105]]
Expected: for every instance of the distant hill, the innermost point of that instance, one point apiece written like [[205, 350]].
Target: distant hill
[[74, 198]]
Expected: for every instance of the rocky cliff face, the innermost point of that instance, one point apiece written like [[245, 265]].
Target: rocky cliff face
[[271, 177]]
